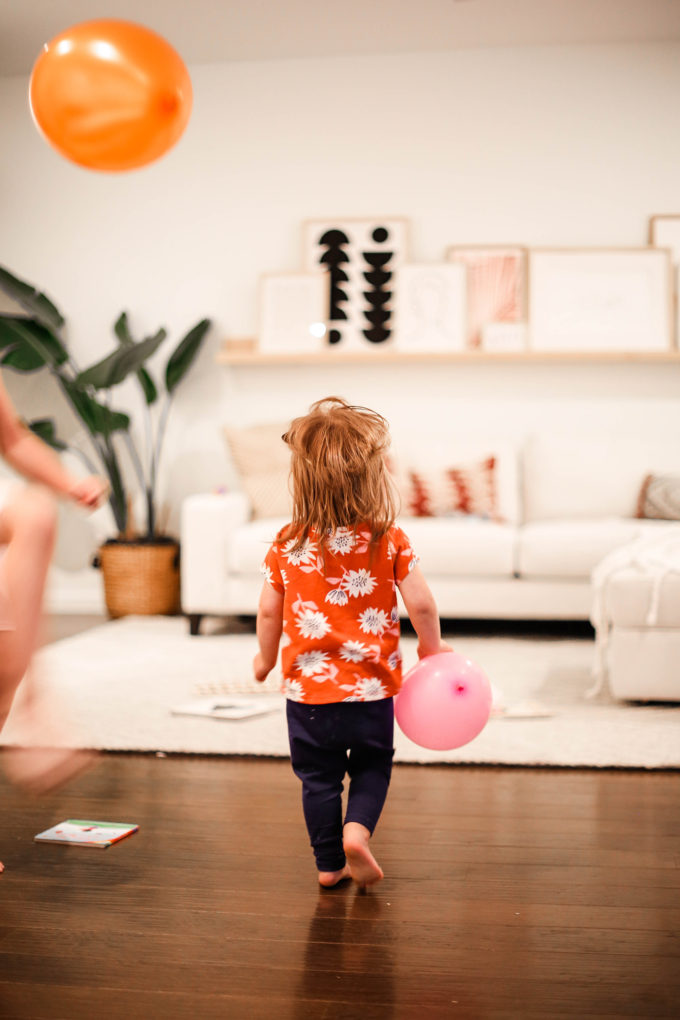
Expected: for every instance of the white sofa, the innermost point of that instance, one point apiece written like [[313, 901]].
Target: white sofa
[[565, 503]]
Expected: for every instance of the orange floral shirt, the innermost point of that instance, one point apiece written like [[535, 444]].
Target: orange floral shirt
[[340, 638]]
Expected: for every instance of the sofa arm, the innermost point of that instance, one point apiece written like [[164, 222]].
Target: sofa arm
[[208, 522]]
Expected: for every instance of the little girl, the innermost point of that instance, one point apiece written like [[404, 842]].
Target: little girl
[[330, 599]]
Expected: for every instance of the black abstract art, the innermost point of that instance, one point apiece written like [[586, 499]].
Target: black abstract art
[[361, 258]]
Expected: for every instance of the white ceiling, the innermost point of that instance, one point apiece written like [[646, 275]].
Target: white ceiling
[[209, 31]]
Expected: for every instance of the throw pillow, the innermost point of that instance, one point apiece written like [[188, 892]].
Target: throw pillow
[[444, 492], [660, 498], [262, 461]]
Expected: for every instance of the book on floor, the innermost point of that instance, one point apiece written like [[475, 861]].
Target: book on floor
[[85, 833], [228, 708]]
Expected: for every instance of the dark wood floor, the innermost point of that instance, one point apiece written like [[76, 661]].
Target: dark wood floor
[[509, 893]]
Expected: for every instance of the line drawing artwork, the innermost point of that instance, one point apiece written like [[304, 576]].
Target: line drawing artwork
[[430, 308]]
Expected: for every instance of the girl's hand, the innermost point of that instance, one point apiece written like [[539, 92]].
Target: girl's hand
[[260, 669], [443, 647], [89, 492]]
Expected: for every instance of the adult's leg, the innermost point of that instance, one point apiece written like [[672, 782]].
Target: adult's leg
[[320, 763], [27, 530]]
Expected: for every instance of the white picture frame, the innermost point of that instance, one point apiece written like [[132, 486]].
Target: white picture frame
[[600, 300], [664, 232], [361, 257], [496, 285], [292, 310], [430, 307]]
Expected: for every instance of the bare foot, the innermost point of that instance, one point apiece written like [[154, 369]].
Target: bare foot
[[330, 878], [363, 866], [2, 866]]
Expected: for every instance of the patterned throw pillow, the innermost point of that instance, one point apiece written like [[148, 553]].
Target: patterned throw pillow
[[660, 498], [262, 461], [445, 492]]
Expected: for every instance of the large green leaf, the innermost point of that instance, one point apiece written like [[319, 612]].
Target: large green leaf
[[113, 369], [36, 304], [98, 419], [183, 356], [122, 331], [45, 429], [29, 344]]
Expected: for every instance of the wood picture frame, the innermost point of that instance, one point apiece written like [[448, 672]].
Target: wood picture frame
[[600, 300], [496, 285], [664, 232]]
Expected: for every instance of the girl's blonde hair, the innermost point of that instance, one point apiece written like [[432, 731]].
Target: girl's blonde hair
[[338, 471]]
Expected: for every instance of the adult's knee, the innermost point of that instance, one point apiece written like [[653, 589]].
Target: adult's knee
[[35, 512]]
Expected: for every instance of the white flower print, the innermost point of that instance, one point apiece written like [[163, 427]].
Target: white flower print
[[337, 597], [285, 639], [369, 688], [353, 651], [358, 582], [341, 541], [310, 663], [394, 615], [294, 690], [373, 621], [312, 624], [266, 571], [394, 659], [305, 554]]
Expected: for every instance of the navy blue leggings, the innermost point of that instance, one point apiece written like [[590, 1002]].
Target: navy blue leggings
[[327, 742]]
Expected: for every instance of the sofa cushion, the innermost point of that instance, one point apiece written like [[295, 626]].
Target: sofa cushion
[[468, 489], [586, 477], [456, 547], [572, 548], [461, 546], [434, 455], [660, 498], [262, 461]]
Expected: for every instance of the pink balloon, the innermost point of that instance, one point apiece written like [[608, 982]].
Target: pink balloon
[[444, 702]]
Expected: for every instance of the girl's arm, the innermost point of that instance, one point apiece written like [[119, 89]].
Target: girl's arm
[[269, 627], [422, 611], [35, 460]]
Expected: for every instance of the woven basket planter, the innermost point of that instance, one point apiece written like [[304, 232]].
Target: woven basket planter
[[140, 578]]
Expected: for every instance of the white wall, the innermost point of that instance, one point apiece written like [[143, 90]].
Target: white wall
[[543, 146]]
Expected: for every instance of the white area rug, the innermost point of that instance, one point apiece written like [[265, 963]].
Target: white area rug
[[119, 682]]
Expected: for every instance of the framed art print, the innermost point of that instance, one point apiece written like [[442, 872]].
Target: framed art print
[[429, 311], [664, 232], [293, 309], [496, 286], [600, 299], [360, 258]]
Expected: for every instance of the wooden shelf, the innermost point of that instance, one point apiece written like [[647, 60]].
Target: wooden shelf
[[378, 356]]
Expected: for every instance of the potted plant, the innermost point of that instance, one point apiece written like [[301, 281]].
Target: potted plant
[[141, 570]]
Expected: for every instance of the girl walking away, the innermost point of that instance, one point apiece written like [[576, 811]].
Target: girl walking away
[[330, 600]]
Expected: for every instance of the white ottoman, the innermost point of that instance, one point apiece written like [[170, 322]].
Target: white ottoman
[[636, 615]]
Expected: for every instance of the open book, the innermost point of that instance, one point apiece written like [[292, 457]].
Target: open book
[[85, 833], [226, 707]]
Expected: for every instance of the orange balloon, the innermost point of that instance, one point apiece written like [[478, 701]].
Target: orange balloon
[[110, 94]]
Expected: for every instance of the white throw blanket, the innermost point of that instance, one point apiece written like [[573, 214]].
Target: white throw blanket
[[655, 556]]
